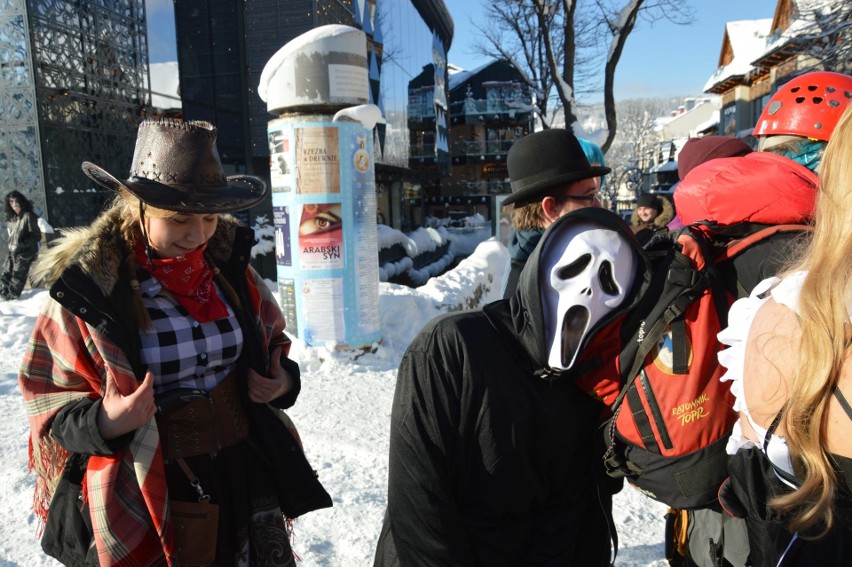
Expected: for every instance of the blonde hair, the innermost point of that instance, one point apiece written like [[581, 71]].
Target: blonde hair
[[823, 305], [128, 205]]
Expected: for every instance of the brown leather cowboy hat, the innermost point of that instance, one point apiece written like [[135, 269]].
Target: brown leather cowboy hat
[[176, 167], [540, 161]]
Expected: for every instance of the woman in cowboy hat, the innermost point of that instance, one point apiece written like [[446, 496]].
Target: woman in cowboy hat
[[157, 371]]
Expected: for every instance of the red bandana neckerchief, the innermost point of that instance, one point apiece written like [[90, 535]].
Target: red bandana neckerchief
[[189, 280]]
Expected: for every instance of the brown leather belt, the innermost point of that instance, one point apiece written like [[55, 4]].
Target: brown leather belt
[[202, 423]]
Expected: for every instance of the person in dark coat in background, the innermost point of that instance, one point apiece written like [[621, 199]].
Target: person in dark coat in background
[[24, 236], [550, 175], [493, 453], [652, 213]]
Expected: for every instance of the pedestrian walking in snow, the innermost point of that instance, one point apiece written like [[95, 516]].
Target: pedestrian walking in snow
[[495, 451], [24, 236], [157, 372]]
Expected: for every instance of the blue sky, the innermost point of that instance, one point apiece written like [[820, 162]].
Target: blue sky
[[660, 59]]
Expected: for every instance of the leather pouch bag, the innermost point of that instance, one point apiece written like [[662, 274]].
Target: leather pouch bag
[[195, 526]]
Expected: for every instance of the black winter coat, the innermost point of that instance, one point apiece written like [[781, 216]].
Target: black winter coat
[[493, 459], [24, 235]]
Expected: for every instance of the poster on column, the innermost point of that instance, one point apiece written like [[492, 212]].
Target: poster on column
[[321, 236], [281, 221], [317, 160], [326, 236], [366, 235], [280, 160], [287, 299], [322, 318]]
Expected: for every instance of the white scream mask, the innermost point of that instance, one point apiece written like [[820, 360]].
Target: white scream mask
[[586, 272]]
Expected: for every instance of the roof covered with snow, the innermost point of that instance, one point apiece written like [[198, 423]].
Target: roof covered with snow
[[747, 39], [461, 75], [804, 22]]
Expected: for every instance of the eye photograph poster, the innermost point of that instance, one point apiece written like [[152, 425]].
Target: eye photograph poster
[[321, 236]]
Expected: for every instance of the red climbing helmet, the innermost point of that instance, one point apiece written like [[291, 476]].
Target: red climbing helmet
[[809, 106]]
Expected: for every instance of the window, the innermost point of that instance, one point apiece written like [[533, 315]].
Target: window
[[729, 120], [757, 106], [499, 94]]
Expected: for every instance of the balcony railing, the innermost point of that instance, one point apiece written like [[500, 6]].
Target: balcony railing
[[464, 148], [493, 106], [481, 147], [481, 187], [470, 107], [420, 110]]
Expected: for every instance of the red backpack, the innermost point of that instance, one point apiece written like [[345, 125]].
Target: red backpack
[[657, 369]]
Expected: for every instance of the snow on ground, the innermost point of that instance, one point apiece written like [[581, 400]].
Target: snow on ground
[[343, 416]]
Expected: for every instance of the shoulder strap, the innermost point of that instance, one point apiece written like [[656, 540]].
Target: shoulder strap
[[769, 432], [736, 247], [773, 426], [843, 403]]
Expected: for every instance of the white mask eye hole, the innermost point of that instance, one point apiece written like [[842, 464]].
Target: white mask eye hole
[[575, 268], [607, 280]]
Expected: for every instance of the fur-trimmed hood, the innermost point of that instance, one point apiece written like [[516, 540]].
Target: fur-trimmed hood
[[99, 250], [660, 221]]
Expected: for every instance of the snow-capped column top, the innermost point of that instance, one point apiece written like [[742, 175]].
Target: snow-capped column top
[[325, 66]]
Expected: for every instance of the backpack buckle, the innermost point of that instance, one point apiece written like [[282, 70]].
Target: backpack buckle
[[681, 277]]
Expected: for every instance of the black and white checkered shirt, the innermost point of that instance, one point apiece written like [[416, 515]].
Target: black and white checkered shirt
[[182, 352]]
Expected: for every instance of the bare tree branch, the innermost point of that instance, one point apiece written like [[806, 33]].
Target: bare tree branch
[[560, 46], [621, 29]]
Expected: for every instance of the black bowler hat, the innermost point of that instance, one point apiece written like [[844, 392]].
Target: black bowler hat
[[176, 167], [543, 160]]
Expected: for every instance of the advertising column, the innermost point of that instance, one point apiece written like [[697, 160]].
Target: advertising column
[[323, 187]]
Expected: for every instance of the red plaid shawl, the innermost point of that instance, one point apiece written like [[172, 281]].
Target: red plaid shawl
[[67, 360]]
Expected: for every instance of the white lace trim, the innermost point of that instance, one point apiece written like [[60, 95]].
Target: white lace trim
[[740, 318]]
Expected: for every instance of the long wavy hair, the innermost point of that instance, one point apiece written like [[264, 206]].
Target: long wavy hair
[[823, 316], [26, 206]]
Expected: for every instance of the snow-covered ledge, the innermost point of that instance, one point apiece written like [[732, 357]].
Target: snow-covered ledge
[[477, 280]]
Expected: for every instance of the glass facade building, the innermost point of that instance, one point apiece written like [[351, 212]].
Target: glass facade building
[[74, 88]]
